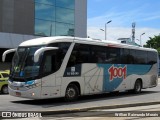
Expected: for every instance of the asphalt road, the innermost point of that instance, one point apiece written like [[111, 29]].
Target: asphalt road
[[10, 103]]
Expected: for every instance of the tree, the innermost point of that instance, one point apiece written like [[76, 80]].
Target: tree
[[154, 43]]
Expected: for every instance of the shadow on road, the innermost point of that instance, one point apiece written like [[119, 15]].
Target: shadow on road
[[46, 103]]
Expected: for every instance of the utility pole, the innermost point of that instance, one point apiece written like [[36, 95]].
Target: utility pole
[[133, 32], [140, 39], [106, 29]]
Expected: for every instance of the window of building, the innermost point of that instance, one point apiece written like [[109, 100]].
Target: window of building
[[65, 3], [54, 17], [44, 28], [44, 12], [50, 2], [63, 29], [64, 15]]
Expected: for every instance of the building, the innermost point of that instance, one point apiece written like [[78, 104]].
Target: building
[[21, 20]]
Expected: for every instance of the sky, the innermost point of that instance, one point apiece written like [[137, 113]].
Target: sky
[[145, 13]]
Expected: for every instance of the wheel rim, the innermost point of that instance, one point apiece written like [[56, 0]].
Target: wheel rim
[[5, 89], [71, 93]]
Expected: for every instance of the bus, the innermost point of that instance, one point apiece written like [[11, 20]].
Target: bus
[[69, 67]]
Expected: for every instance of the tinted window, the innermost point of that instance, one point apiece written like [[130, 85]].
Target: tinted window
[[53, 59], [113, 55], [140, 57], [98, 54], [125, 56], [152, 58], [80, 54], [132, 57]]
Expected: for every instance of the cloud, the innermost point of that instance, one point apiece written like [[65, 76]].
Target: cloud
[[121, 25], [113, 33]]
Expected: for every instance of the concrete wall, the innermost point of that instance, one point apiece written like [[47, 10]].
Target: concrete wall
[[10, 40], [81, 18], [0, 15], [17, 16]]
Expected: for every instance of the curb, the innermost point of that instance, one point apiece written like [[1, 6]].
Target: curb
[[71, 112], [76, 110]]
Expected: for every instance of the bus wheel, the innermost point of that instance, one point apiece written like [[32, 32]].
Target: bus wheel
[[72, 93], [137, 86], [4, 89]]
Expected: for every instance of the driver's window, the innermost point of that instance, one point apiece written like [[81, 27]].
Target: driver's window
[[48, 64]]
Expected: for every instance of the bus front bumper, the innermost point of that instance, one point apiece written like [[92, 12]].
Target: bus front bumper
[[33, 93]]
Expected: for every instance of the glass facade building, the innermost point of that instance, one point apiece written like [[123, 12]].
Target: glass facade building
[[54, 17], [21, 20]]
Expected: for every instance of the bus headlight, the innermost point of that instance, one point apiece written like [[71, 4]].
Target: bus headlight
[[33, 85]]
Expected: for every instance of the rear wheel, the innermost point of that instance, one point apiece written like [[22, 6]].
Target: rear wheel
[[72, 93], [4, 89], [137, 86]]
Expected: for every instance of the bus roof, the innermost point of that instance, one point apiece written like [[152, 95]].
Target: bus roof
[[48, 40]]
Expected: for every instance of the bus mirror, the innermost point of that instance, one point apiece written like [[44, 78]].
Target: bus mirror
[[41, 50], [7, 52]]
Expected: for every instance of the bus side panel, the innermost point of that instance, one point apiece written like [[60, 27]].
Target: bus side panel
[[122, 77], [151, 77], [49, 87], [93, 78]]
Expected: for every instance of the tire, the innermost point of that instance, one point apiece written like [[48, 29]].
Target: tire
[[72, 93], [4, 89], [137, 87]]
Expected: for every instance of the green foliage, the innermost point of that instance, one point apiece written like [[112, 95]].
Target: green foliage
[[154, 43]]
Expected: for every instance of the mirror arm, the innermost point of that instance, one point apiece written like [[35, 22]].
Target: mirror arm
[[7, 52], [41, 50]]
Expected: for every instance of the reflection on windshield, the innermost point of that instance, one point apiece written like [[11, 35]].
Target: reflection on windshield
[[23, 64]]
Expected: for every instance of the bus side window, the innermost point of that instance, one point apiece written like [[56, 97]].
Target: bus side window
[[47, 64], [151, 58], [79, 55], [113, 55]]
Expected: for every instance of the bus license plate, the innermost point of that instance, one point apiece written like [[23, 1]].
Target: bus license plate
[[18, 94]]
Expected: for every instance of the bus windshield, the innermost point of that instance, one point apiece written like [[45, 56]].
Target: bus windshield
[[23, 65]]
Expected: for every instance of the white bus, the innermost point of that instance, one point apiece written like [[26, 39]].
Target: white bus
[[70, 67]]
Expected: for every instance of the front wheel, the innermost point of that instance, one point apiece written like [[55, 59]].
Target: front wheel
[[72, 93], [4, 89]]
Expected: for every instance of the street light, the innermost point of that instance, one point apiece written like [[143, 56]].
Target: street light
[[102, 30], [106, 29], [140, 39]]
